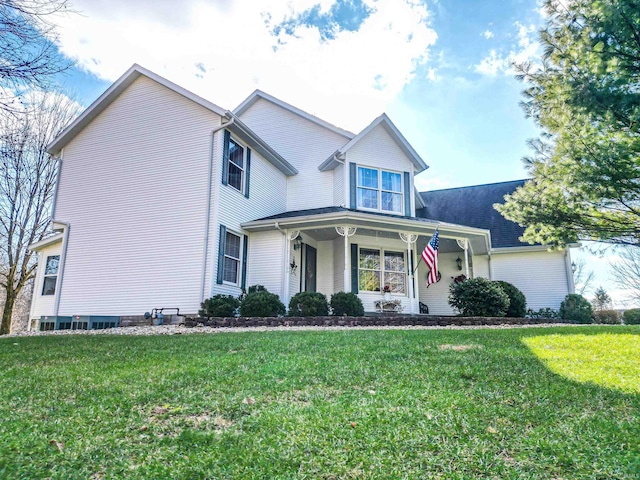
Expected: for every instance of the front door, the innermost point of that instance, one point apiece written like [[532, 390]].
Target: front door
[[310, 273]]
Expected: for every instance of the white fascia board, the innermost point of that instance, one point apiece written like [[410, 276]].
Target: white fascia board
[[448, 230], [392, 130], [45, 242], [521, 249], [112, 93], [249, 136], [253, 98]]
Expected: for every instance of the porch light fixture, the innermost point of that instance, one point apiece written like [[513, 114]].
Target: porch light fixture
[[297, 243], [459, 262], [574, 267]]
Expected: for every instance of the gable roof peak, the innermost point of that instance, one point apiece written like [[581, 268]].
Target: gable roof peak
[[383, 120], [259, 94]]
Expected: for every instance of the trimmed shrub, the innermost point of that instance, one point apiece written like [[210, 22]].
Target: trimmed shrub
[[261, 303], [346, 304], [517, 300], [609, 317], [308, 304], [543, 313], [576, 308], [219, 306], [479, 297], [631, 316]]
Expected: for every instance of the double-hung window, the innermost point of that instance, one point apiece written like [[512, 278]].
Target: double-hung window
[[50, 275], [379, 268], [232, 258], [236, 166], [379, 189]]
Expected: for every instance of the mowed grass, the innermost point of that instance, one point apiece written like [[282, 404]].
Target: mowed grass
[[323, 405]]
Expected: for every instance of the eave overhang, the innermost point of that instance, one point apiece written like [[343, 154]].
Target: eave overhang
[[480, 239]]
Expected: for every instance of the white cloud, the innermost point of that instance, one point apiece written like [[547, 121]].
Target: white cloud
[[492, 64], [527, 49], [425, 183], [487, 34], [225, 50]]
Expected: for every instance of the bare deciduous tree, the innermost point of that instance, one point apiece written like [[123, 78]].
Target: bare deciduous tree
[[626, 272], [27, 180], [29, 57], [582, 277]]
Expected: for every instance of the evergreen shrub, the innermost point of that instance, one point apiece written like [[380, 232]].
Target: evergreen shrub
[[517, 300], [261, 303], [631, 316], [308, 304], [576, 308], [479, 297], [219, 306], [346, 304]]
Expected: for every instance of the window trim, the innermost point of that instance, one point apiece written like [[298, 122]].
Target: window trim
[[380, 190], [383, 271], [224, 256], [46, 275]]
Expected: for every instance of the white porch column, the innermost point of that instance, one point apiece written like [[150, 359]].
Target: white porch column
[[410, 238], [346, 232], [466, 257], [288, 237]]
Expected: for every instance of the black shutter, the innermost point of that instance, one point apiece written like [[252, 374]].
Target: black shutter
[[354, 267], [407, 194], [225, 157], [247, 173], [245, 249], [221, 247], [352, 185]]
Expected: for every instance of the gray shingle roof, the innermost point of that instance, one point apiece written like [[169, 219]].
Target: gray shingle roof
[[473, 206]]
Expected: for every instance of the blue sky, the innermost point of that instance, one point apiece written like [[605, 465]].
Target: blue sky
[[441, 69]]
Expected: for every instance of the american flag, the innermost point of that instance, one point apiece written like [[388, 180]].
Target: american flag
[[430, 257]]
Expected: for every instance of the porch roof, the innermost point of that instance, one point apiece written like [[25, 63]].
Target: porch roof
[[479, 239]]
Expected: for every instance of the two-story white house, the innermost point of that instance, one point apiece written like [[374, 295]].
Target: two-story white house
[[165, 199]]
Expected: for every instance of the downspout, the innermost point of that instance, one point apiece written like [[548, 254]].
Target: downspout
[[63, 261], [205, 249]]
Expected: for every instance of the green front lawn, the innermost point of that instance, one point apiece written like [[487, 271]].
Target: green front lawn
[[519, 403]]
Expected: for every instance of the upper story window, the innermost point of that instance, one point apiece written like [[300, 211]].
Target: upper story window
[[379, 189], [50, 275], [236, 164]]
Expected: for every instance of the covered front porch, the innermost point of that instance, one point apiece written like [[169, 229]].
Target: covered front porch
[[338, 249]]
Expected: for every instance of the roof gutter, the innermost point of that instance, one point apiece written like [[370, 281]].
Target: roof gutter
[[205, 250]]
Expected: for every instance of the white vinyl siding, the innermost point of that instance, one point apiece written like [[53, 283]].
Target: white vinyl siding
[[134, 188], [265, 261], [325, 266], [542, 276], [302, 143], [480, 266]]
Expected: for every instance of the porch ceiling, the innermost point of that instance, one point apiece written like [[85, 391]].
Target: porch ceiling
[[321, 227]]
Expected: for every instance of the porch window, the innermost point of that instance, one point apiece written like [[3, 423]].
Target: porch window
[[377, 268], [232, 252], [379, 190], [50, 275]]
